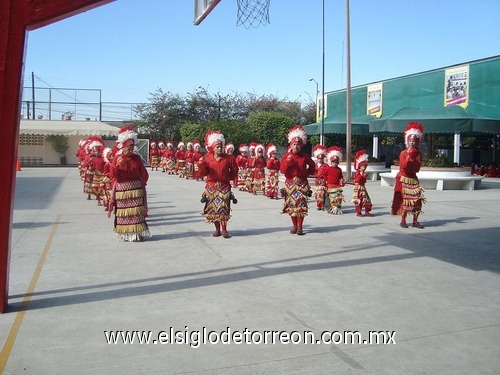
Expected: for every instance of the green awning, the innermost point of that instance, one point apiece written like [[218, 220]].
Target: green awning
[[453, 119], [337, 125]]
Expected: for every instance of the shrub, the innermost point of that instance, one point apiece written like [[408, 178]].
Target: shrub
[[440, 161]]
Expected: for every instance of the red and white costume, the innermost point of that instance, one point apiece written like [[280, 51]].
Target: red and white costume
[[297, 166], [129, 197], [319, 152], [408, 194], [273, 170], [220, 170], [360, 196], [334, 180]]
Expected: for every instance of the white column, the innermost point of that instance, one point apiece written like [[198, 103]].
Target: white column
[[375, 146], [456, 148]]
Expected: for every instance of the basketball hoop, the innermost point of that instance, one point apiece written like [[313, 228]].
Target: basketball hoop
[[253, 13]]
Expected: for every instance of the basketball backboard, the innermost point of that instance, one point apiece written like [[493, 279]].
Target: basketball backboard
[[202, 8]]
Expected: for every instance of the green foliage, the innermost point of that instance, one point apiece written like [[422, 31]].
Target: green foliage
[[59, 143], [162, 117], [479, 142], [169, 116], [234, 131], [191, 132], [439, 161], [270, 127], [392, 140]]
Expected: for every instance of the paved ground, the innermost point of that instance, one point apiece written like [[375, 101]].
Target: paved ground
[[438, 288]]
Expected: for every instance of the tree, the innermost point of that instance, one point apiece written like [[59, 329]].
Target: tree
[[163, 116], [271, 127], [60, 145], [171, 117]]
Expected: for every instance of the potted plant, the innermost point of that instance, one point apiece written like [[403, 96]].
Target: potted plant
[[60, 145]]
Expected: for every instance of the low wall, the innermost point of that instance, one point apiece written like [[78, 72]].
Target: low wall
[[438, 178]]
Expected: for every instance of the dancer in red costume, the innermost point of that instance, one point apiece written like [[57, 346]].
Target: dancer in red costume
[[319, 152], [94, 169], [219, 170], [170, 160], [129, 193], [334, 180], [360, 196], [242, 163], [154, 155], [180, 157], [297, 166], [273, 171], [259, 170], [197, 155], [408, 195], [229, 149]]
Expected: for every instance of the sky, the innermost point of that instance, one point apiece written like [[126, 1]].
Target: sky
[[129, 49]]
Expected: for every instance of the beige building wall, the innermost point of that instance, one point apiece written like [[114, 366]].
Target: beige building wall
[[35, 150]]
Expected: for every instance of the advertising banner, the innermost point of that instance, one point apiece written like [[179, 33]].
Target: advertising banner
[[456, 86]]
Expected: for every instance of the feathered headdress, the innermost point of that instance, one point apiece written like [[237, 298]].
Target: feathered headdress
[[229, 146], [360, 159], [252, 146], [180, 144], [334, 152], [94, 142], [270, 149], [297, 133], [213, 137], [260, 148], [189, 145], [196, 145], [170, 144], [319, 150], [161, 144], [106, 153], [152, 144], [414, 129], [243, 148], [126, 136]]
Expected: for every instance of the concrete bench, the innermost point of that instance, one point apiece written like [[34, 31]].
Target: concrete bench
[[373, 170], [439, 178]]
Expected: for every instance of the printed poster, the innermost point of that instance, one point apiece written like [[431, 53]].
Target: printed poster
[[374, 100], [456, 86], [319, 103]]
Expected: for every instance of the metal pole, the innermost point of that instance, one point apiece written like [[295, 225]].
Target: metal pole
[[317, 97], [50, 104], [322, 131], [348, 97], [33, 93]]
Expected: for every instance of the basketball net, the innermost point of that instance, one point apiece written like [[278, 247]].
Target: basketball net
[[253, 13]]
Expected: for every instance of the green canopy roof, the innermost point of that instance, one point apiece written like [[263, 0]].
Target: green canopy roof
[[453, 119], [337, 125]]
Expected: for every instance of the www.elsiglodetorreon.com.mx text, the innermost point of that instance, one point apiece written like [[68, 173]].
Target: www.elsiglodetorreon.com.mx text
[[196, 338]]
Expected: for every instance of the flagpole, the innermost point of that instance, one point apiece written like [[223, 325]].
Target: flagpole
[[348, 96], [322, 131]]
